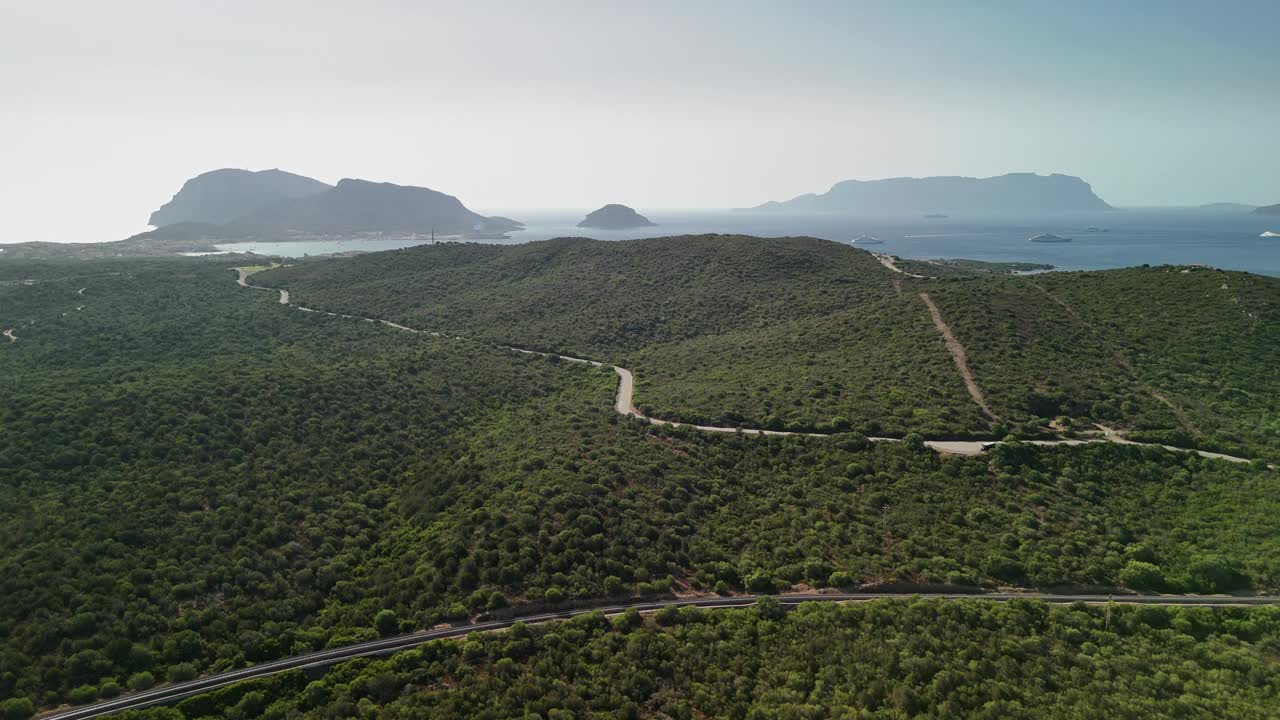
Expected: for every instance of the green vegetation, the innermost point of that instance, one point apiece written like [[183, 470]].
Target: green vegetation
[[797, 333], [194, 477], [1183, 356], [885, 659], [805, 334], [957, 268], [191, 472]]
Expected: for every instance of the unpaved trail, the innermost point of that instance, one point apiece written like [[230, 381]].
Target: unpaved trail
[[624, 399], [1180, 414], [960, 357], [887, 261], [9, 334]]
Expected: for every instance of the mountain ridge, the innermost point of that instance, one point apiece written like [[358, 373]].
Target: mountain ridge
[[1011, 193], [220, 196], [352, 206]]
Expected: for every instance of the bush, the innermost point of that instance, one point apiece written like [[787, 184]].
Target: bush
[[386, 622], [1141, 575], [842, 579], [141, 681], [17, 709], [1213, 574], [760, 582], [668, 616], [613, 585], [83, 695]]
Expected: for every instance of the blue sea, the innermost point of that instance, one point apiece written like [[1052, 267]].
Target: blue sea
[[1229, 240]]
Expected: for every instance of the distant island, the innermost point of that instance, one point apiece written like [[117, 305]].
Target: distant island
[[220, 196], [276, 205], [1012, 194], [1268, 210], [615, 217], [1228, 207]]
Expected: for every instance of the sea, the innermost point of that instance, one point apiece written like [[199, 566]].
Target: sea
[[1117, 238]]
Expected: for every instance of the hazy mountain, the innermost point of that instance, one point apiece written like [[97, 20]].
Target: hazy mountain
[[615, 217], [223, 195], [1228, 207], [1012, 194], [354, 206], [1268, 210]]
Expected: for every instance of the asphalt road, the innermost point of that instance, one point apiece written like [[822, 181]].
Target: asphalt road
[[322, 658]]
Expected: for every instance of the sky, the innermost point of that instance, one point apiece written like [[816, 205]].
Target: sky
[[106, 108]]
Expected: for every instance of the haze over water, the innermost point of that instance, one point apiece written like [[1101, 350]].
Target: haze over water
[[1155, 237]]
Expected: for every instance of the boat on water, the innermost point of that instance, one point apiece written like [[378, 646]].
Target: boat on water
[[867, 240], [1270, 234], [1097, 230], [1049, 238]]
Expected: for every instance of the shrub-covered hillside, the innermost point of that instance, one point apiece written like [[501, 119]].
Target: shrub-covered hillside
[[194, 477], [1183, 356], [805, 334], [786, 333], [886, 659]]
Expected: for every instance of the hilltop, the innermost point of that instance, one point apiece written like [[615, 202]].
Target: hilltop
[[1011, 194], [615, 217], [220, 196], [803, 334]]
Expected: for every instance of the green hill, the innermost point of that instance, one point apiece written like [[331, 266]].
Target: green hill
[[1180, 355], [792, 333], [804, 334], [196, 477]]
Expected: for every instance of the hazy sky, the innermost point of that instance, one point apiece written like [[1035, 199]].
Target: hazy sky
[[106, 107]]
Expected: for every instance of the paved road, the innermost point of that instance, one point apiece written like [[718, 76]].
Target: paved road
[[624, 404], [384, 646]]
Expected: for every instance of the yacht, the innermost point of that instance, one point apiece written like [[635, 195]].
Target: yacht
[[1270, 234]]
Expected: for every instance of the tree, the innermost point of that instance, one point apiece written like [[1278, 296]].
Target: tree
[[1141, 575], [18, 708], [613, 585], [83, 695], [141, 681], [768, 608], [386, 622], [1209, 573], [667, 616]]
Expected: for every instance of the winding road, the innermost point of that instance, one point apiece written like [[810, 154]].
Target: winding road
[[624, 404], [385, 646]]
